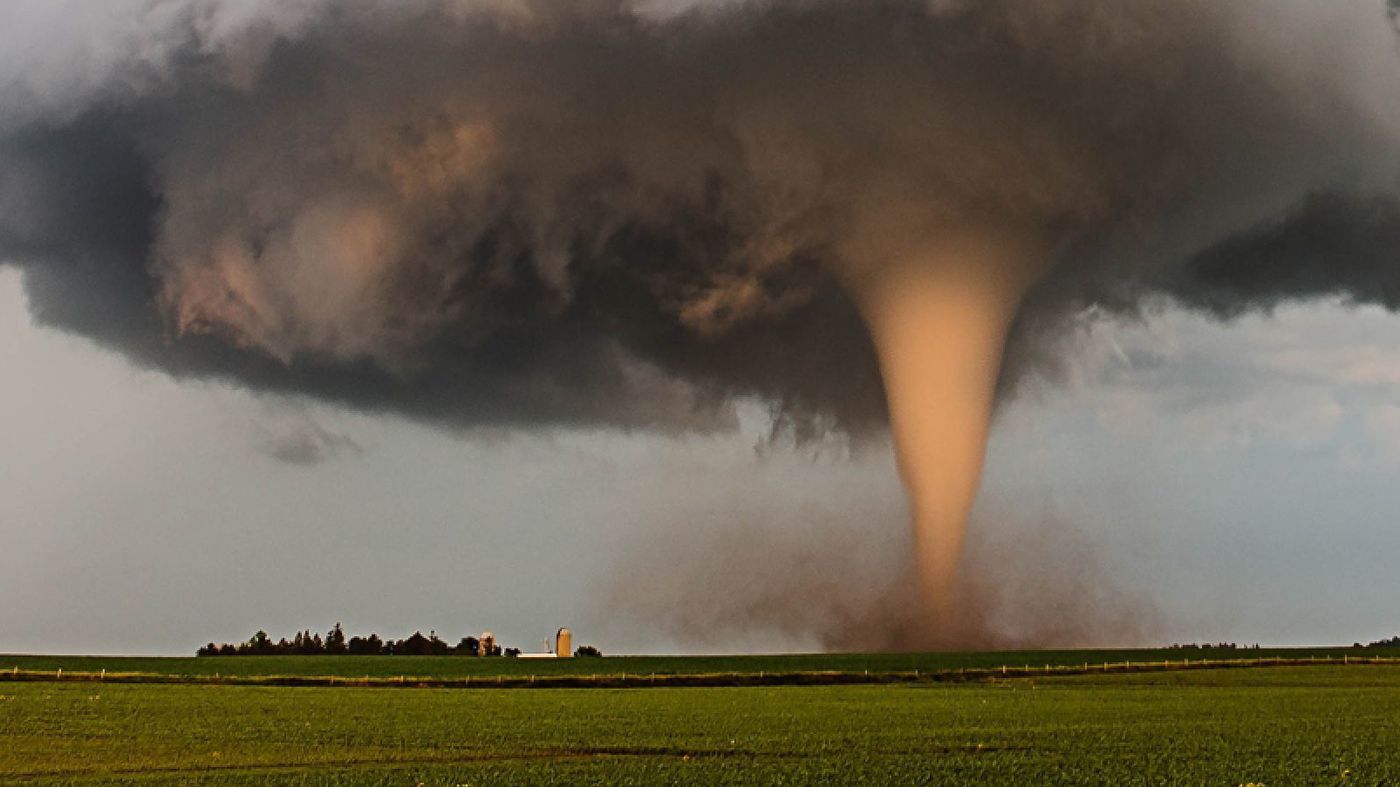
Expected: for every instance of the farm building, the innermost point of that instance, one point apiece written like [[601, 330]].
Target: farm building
[[563, 647]]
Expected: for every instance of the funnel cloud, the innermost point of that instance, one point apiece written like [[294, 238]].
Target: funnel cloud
[[530, 214]]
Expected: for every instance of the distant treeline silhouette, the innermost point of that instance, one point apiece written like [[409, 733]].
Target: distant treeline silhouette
[[335, 644], [1393, 642], [1213, 646]]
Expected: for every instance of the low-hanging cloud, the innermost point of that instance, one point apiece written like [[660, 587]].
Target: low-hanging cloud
[[528, 213], [289, 434]]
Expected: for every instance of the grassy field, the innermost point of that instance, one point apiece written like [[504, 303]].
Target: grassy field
[[449, 667], [1278, 726]]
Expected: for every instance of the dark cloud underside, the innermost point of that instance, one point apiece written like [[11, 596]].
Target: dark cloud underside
[[570, 213]]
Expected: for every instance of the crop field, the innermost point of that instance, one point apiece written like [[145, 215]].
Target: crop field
[[449, 667], [1270, 725]]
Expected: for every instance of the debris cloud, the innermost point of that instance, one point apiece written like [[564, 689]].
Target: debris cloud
[[761, 584]]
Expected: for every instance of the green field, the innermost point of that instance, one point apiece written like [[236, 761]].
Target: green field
[[1278, 726], [449, 667]]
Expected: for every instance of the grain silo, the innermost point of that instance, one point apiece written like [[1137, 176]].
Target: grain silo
[[488, 644], [564, 644]]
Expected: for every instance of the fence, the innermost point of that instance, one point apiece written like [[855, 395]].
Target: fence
[[633, 680]]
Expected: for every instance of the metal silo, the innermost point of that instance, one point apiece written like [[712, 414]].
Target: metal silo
[[564, 644]]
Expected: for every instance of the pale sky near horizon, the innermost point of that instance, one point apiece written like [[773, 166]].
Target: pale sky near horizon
[[1242, 476]]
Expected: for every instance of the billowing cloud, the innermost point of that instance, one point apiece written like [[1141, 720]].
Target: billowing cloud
[[579, 213]]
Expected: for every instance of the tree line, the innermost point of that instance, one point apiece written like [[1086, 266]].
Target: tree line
[[1213, 646], [335, 643]]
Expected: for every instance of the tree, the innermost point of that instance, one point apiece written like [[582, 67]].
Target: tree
[[260, 645], [436, 646], [335, 641], [416, 645], [469, 646], [361, 646], [588, 651]]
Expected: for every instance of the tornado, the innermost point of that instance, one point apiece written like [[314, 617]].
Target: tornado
[[939, 317]]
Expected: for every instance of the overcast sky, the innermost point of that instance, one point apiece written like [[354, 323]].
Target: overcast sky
[[1242, 475]]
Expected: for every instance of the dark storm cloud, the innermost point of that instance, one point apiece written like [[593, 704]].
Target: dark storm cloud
[[1331, 245], [80, 217], [528, 213]]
